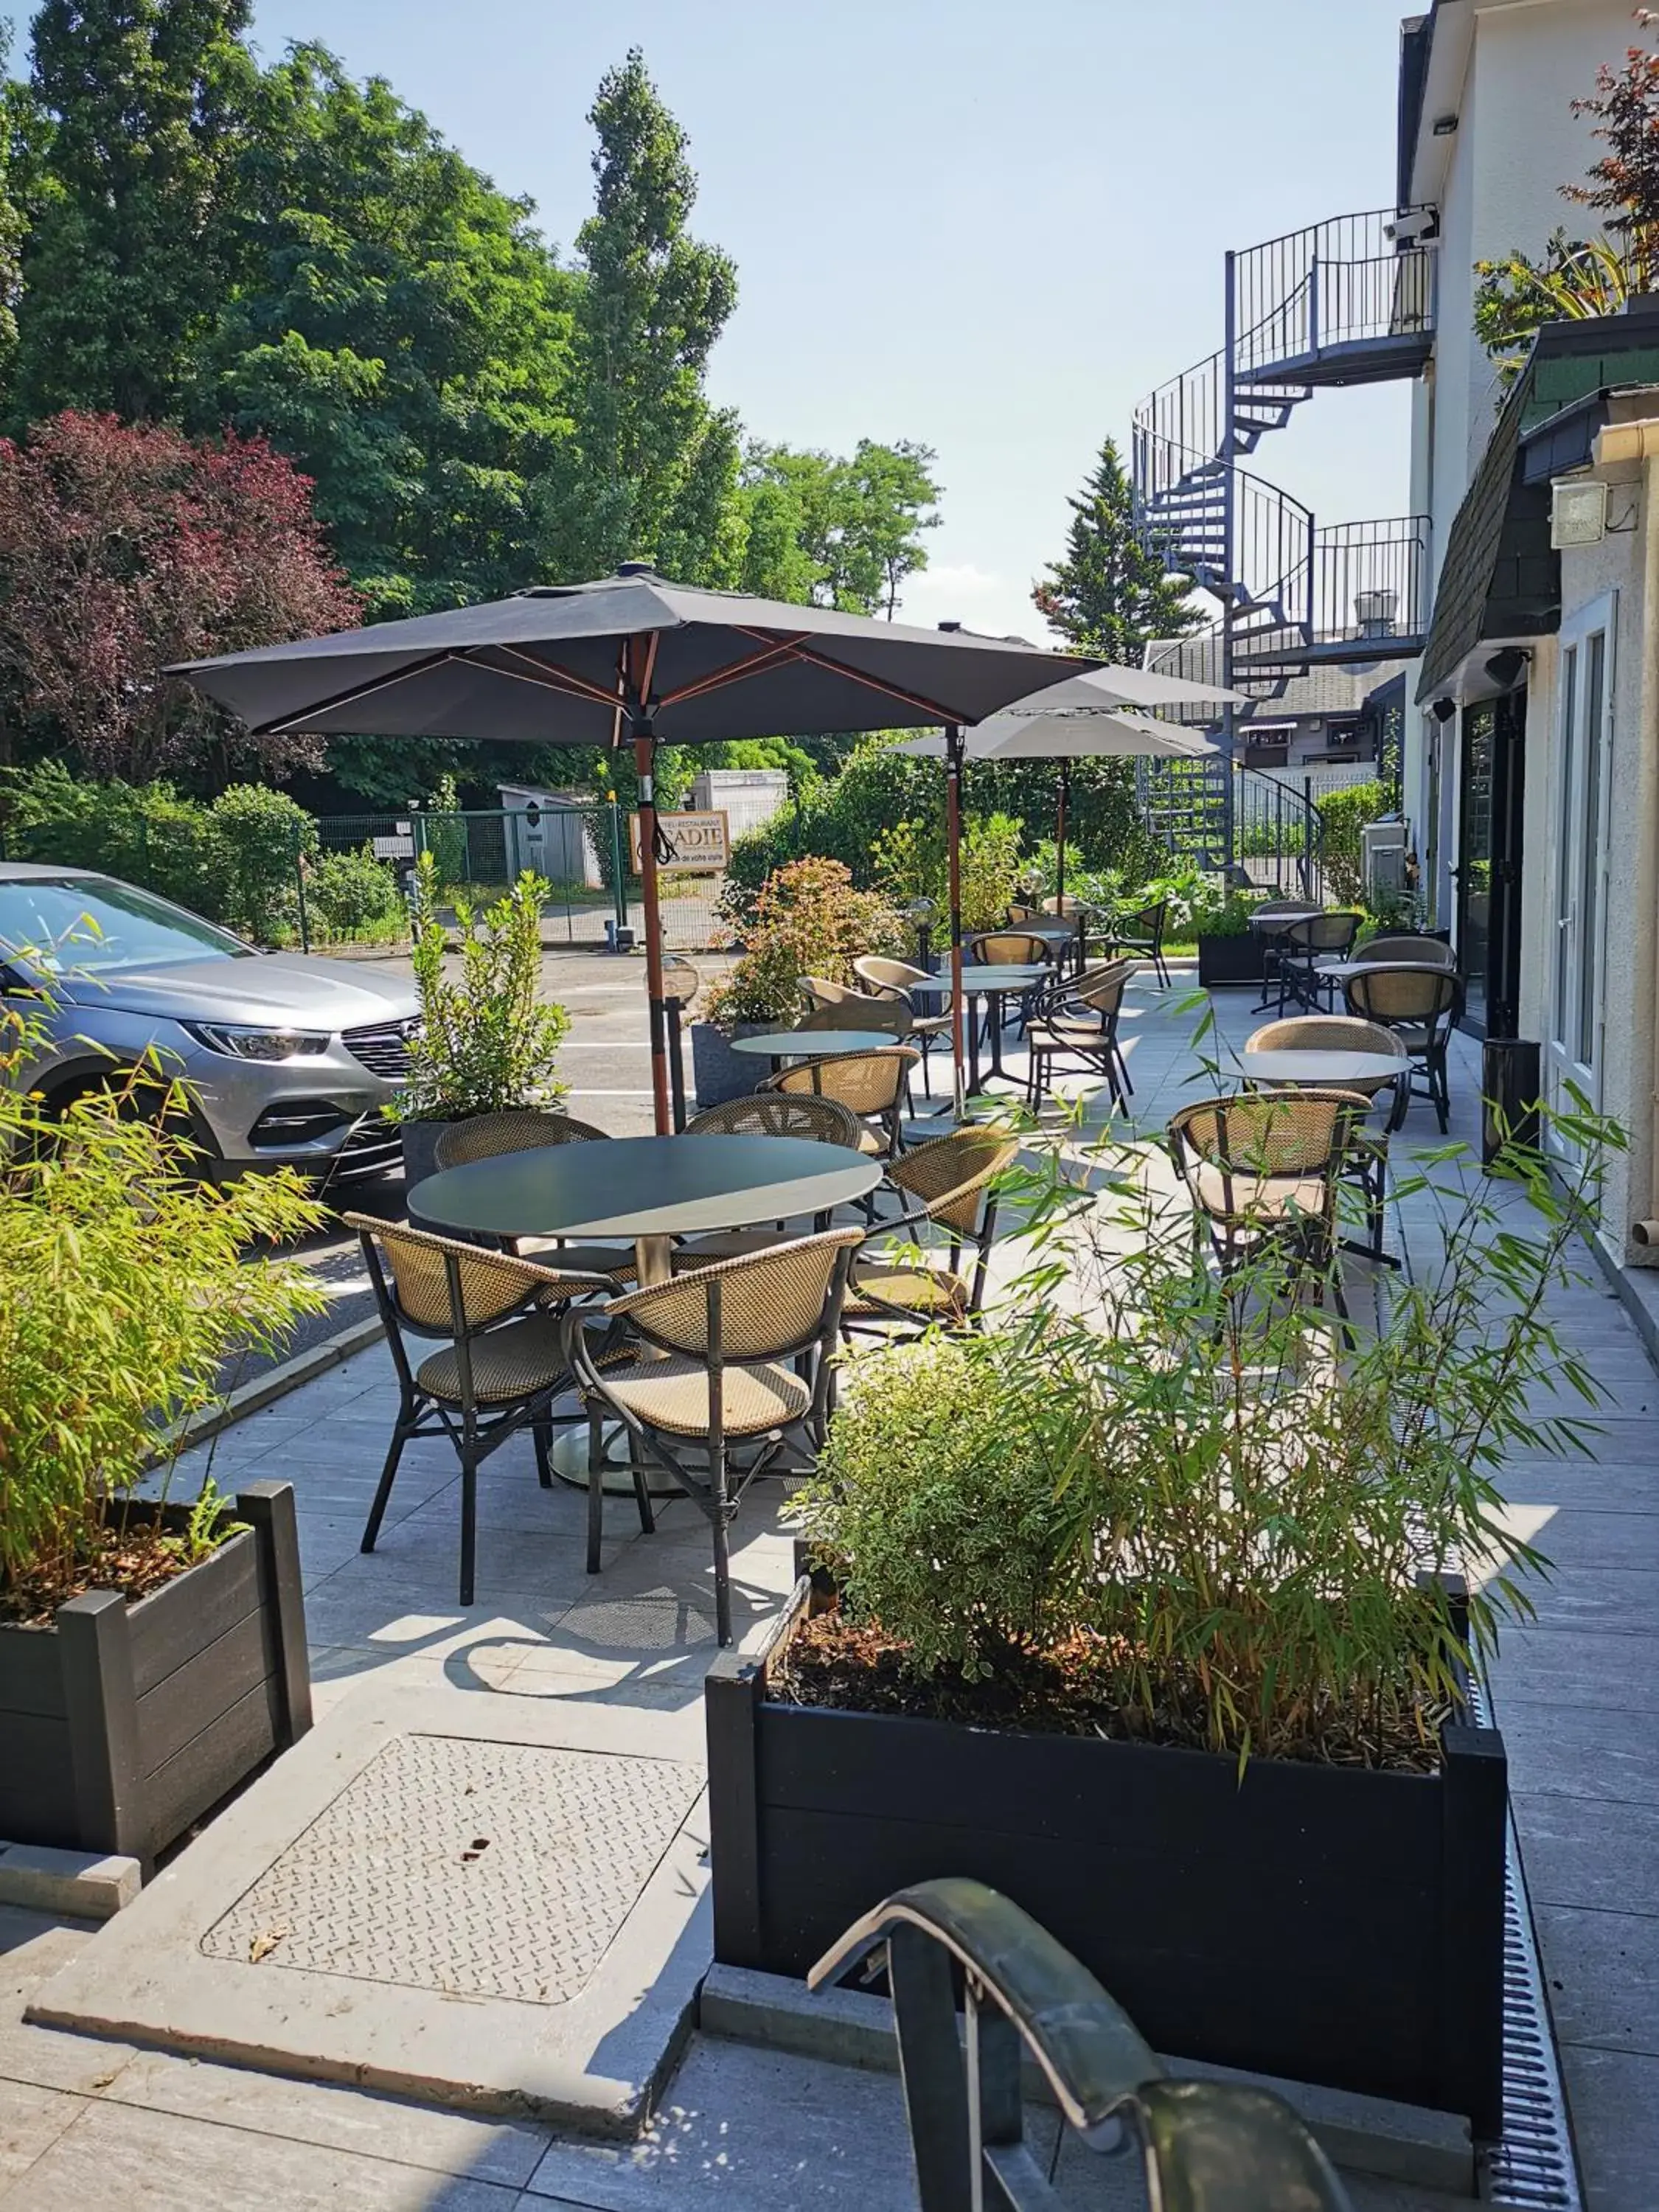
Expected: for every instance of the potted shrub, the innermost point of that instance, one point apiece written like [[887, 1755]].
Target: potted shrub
[[1139, 1606], [807, 919], [488, 1040], [1229, 950], [152, 1650]]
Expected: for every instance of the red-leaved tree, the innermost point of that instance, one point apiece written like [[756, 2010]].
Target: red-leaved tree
[[126, 546]]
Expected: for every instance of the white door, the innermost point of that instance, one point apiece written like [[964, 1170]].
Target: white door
[[1578, 854]]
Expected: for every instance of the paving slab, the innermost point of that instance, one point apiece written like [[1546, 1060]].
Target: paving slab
[[490, 1903]]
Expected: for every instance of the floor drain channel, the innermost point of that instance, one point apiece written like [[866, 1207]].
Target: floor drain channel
[[1531, 2167]]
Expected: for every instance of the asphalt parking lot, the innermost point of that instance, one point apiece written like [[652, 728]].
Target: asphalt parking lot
[[605, 1061]]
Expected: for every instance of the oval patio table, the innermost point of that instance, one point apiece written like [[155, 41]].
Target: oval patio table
[[650, 1188], [993, 981], [779, 1045]]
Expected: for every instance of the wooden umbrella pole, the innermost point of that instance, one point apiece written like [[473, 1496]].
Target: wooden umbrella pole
[[644, 748], [953, 848]]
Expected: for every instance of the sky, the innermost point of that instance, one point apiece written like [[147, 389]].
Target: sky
[[991, 226]]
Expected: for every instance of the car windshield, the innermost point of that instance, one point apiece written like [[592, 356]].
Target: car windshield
[[93, 926]]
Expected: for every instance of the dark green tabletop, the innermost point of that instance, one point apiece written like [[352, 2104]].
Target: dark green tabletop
[[816, 1044], [1012, 977], [643, 1187]]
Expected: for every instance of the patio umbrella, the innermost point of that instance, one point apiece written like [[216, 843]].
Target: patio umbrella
[[632, 657]]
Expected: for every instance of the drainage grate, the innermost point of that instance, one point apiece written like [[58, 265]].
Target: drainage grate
[[1531, 2167], [475, 1869]]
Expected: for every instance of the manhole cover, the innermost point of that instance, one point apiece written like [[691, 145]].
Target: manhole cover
[[486, 1869]]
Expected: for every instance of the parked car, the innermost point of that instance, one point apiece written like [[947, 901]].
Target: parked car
[[289, 1059]]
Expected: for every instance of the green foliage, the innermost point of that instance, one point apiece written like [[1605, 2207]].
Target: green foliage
[[262, 834], [940, 1498], [352, 894], [912, 863], [443, 832], [489, 1042], [124, 1289], [1249, 1500], [837, 533], [1107, 595], [808, 920], [1342, 815], [146, 834]]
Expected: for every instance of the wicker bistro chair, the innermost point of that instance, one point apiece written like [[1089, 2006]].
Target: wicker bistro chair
[[1302, 944], [1077, 1020], [890, 982], [522, 1129], [504, 1356], [899, 1286], [1410, 949], [1422, 1008], [735, 1336], [1138, 935], [870, 1085], [766, 1113], [1366, 1163], [1268, 921], [1008, 948], [1262, 1166]]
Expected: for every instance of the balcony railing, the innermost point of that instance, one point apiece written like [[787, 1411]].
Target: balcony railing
[[1356, 295]]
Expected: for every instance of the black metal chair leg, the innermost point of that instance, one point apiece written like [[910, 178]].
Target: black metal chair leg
[[383, 1493], [469, 1525], [541, 1434], [642, 1498], [721, 1518], [595, 1488]]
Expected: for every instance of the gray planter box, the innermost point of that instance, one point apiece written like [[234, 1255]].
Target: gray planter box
[[420, 1149], [719, 1074], [121, 1725]]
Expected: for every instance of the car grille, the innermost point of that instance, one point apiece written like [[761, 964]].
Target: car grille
[[382, 1047]]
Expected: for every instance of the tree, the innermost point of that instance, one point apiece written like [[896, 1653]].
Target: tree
[[653, 466], [1579, 278], [143, 107], [835, 532], [1108, 595], [123, 548]]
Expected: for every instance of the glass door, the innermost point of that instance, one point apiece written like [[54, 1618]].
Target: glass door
[[1578, 855], [1474, 855]]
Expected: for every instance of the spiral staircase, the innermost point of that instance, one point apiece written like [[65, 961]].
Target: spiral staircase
[[1349, 300]]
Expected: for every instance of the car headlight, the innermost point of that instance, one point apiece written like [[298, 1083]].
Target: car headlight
[[256, 1045]]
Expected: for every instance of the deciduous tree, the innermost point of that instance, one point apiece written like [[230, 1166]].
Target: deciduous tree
[[125, 547]]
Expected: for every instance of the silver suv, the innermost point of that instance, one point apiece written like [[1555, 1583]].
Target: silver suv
[[289, 1059]]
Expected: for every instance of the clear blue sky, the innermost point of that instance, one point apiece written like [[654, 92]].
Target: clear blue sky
[[990, 225]]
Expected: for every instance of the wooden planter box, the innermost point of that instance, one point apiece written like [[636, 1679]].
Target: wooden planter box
[[1229, 959], [1326, 1925], [120, 1724]]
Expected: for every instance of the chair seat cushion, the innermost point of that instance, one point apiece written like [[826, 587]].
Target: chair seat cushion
[[673, 1395], [1260, 1198], [934, 1293], [1067, 1036], [515, 1361], [873, 1147], [730, 1244]]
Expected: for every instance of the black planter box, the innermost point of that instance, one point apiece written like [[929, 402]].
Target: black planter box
[[1327, 1924], [120, 1724], [1230, 959]]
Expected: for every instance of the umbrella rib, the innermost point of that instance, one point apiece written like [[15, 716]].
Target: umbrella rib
[[796, 648], [550, 677], [756, 664], [286, 723]]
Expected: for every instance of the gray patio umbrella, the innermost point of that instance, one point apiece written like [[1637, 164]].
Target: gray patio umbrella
[[632, 657]]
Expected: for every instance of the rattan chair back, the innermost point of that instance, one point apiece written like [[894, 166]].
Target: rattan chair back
[[1004, 948], [1407, 946], [1062, 907], [1326, 1033], [1321, 932], [866, 1083], [951, 1174], [1391, 995], [520, 1129], [774, 1114], [823, 991], [1144, 924], [1252, 1134], [491, 1285], [884, 974], [767, 1306]]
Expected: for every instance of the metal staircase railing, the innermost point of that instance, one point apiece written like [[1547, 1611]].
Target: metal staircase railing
[[1207, 2146], [1277, 832], [1346, 301]]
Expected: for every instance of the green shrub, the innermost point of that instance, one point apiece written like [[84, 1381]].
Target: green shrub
[[1343, 814], [351, 893], [263, 833], [487, 1041], [146, 834], [939, 1499], [808, 920]]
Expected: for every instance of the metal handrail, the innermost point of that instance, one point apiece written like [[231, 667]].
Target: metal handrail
[[1207, 2145]]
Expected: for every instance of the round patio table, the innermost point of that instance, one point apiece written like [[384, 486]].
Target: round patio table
[[1323, 1071], [779, 1045], [1341, 970], [993, 981], [650, 1188]]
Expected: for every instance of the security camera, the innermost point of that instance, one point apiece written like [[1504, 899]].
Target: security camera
[[1414, 227]]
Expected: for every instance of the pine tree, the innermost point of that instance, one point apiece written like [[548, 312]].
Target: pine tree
[[1108, 595]]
